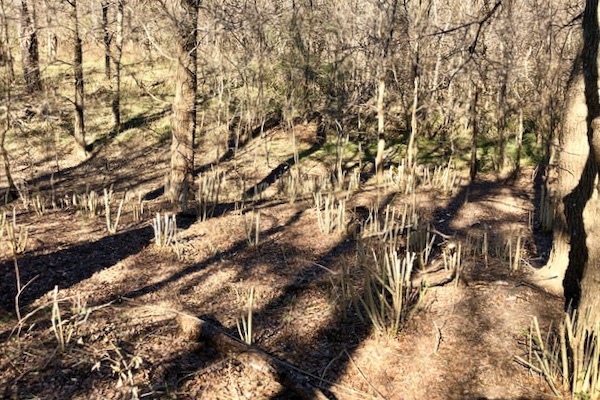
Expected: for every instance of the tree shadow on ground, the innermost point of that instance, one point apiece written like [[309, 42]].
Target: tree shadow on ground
[[278, 171], [471, 308], [88, 170], [65, 268], [138, 121], [342, 333], [234, 144], [181, 274]]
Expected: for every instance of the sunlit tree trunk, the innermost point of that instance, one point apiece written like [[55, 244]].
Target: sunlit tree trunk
[[474, 135], [115, 55], [411, 150], [106, 38], [385, 33], [575, 252], [12, 189], [590, 281], [79, 126], [569, 182], [10, 70], [29, 47], [521, 129], [51, 38], [380, 128], [184, 107]]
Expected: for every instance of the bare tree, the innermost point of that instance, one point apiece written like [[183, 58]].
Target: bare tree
[[12, 189], [51, 37], [29, 47], [116, 51], [386, 23], [184, 107], [79, 125], [106, 39], [7, 52]]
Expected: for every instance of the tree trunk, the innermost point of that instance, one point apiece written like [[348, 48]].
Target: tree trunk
[[570, 188], [385, 34], [590, 281], [183, 123], [475, 133], [380, 128], [115, 55], [51, 38], [411, 151], [517, 168], [11, 191], [10, 69], [29, 48], [106, 38], [79, 126]]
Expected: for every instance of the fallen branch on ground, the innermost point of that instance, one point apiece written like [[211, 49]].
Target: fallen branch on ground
[[198, 329], [437, 275]]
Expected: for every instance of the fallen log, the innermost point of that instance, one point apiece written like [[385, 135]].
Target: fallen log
[[197, 329], [434, 278]]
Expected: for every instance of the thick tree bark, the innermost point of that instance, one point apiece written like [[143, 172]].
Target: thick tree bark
[[79, 126], [183, 124], [590, 281], [569, 191], [29, 48], [576, 229]]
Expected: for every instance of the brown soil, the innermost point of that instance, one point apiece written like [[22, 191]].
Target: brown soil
[[459, 343]]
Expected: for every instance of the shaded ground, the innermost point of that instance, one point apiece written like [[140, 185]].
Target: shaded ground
[[459, 343]]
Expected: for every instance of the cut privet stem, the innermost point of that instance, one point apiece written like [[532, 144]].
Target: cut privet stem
[[111, 226], [252, 227], [244, 323], [165, 229]]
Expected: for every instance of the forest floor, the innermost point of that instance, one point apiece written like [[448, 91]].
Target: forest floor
[[119, 295]]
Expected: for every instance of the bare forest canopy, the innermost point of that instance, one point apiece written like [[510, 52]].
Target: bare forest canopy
[[446, 65]]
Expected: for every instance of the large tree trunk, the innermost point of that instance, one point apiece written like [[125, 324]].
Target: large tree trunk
[[29, 48], [184, 107], [576, 229], [79, 126], [590, 281], [569, 196]]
